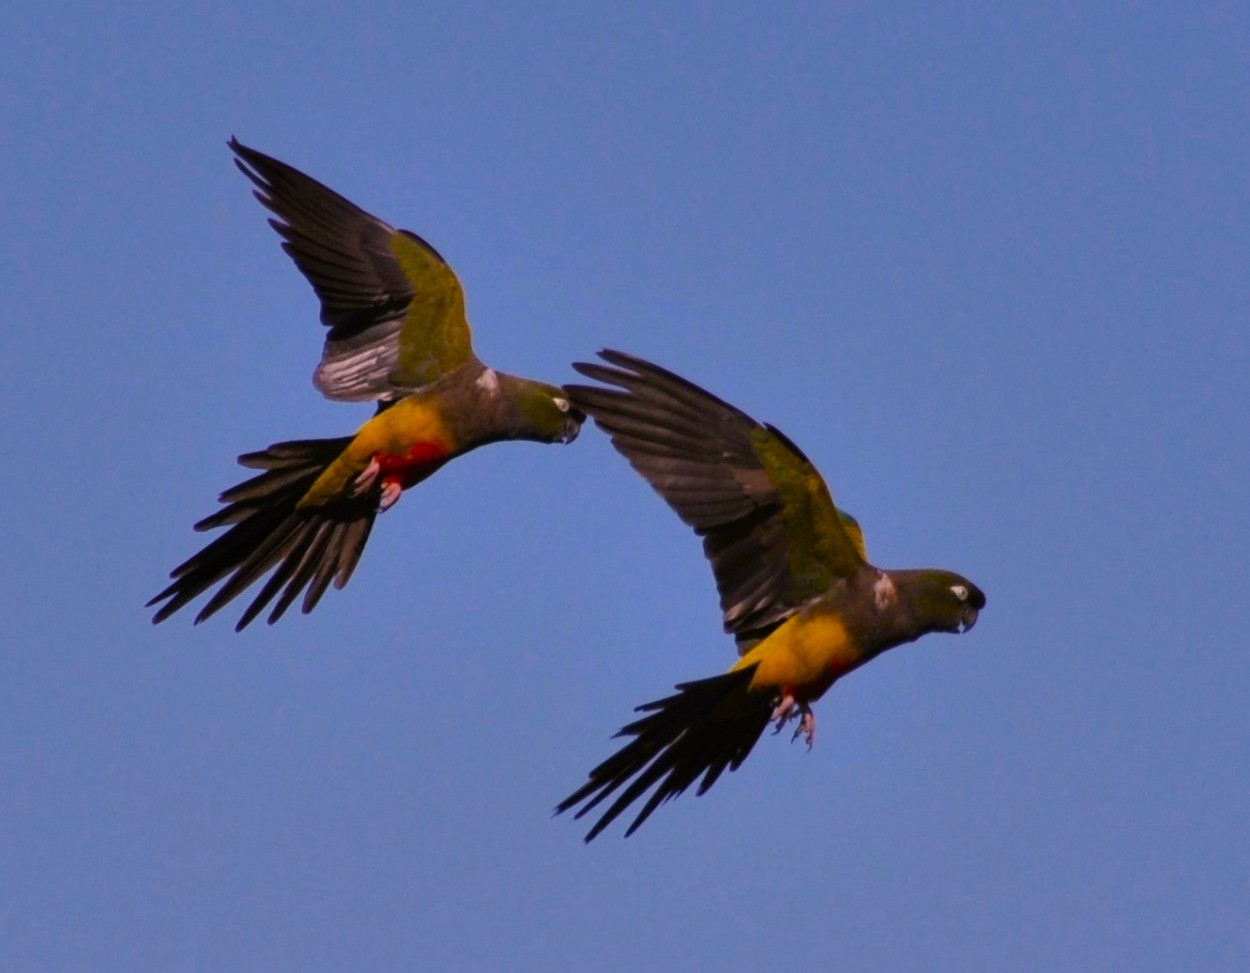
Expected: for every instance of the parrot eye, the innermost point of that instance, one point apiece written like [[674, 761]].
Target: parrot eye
[[561, 404], [960, 592]]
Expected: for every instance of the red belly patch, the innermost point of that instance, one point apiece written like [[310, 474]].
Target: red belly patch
[[413, 466]]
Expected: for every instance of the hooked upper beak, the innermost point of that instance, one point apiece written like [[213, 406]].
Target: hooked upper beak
[[573, 425], [968, 619]]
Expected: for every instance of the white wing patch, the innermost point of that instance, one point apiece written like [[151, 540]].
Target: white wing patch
[[883, 592], [488, 382], [359, 368]]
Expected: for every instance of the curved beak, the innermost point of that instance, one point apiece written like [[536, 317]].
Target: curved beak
[[572, 426], [968, 619]]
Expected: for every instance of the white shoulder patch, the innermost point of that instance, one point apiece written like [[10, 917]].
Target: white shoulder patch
[[883, 591], [488, 382]]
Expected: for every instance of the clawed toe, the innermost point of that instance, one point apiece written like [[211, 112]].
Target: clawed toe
[[390, 493], [788, 708], [366, 478], [782, 712], [806, 727]]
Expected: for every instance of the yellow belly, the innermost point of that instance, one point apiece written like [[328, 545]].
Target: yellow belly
[[411, 420], [391, 433], [809, 650]]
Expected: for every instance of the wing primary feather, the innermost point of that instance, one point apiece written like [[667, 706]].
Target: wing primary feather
[[346, 254], [771, 533]]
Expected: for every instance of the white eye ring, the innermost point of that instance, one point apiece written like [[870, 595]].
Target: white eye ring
[[960, 592], [561, 404]]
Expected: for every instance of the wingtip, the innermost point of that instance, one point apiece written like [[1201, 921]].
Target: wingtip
[[624, 360], [240, 150], [619, 358]]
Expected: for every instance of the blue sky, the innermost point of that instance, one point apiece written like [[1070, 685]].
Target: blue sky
[[986, 263]]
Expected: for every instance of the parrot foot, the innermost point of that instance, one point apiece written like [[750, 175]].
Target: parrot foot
[[806, 727], [391, 490], [366, 478], [788, 708], [783, 711]]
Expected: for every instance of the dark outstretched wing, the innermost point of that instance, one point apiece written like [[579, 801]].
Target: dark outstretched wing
[[394, 307], [707, 727], [769, 526]]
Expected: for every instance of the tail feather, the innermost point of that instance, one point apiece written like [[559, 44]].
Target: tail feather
[[355, 535], [281, 576], [321, 567], [707, 726], [254, 560], [306, 550], [259, 487]]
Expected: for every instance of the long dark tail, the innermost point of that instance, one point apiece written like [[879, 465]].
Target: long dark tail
[[707, 726], [308, 548]]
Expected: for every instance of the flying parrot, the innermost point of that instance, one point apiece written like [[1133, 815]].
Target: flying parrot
[[398, 336], [797, 592]]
